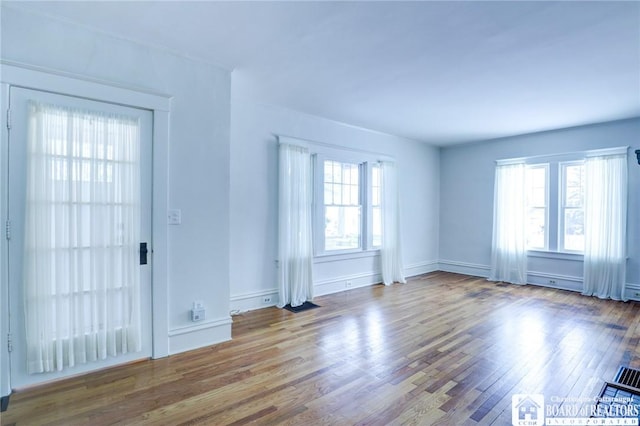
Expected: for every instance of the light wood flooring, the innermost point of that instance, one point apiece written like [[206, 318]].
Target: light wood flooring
[[442, 349]]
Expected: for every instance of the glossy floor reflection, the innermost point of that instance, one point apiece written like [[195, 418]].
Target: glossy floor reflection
[[442, 349]]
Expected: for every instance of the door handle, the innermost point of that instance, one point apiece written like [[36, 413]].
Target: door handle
[[143, 253]]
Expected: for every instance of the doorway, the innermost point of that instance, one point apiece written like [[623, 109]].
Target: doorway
[[79, 206]]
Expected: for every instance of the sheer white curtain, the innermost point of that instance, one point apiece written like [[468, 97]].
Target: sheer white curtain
[[509, 248], [81, 237], [605, 223], [391, 250], [295, 248]]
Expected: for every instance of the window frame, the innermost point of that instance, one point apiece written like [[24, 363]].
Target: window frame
[[555, 198], [365, 163]]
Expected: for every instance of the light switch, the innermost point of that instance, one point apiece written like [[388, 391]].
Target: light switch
[[175, 217]]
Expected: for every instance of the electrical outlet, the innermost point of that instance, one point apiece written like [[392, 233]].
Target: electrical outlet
[[552, 281], [266, 299], [347, 284], [174, 217], [197, 311], [637, 294]]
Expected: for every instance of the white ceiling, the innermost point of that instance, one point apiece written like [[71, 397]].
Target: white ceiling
[[439, 72]]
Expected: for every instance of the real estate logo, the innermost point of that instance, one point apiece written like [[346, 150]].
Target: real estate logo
[[527, 410]]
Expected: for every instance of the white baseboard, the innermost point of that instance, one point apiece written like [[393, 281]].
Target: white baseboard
[[420, 268], [562, 282], [346, 282], [464, 268], [543, 279], [632, 291], [254, 300], [199, 335]]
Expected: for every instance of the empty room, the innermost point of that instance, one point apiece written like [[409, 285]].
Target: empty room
[[320, 212]]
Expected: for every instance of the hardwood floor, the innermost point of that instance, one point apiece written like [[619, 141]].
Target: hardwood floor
[[442, 349]]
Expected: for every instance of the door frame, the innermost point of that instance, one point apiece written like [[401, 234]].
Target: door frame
[[19, 75]]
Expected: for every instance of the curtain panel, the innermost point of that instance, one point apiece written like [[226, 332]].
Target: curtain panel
[[509, 247], [82, 227], [295, 244], [605, 227], [391, 250]]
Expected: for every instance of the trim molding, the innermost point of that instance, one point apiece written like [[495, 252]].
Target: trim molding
[[464, 268], [199, 335], [632, 291], [253, 300], [420, 268], [249, 301], [562, 282], [542, 279], [346, 282], [20, 73]]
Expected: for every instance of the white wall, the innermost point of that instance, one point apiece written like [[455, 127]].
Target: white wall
[[198, 170], [254, 200], [466, 198]]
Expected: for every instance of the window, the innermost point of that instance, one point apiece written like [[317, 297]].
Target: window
[[572, 207], [342, 206], [348, 194], [555, 206], [557, 197], [537, 202]]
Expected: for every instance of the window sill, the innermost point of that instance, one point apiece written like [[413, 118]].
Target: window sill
[[336, 257], [578, 257]]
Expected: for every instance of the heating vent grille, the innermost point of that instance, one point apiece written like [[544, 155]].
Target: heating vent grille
[[628, 377]]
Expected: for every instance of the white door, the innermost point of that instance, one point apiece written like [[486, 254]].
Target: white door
[[86, 282]]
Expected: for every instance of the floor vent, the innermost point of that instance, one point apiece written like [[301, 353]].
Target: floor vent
[[628, 377], [617, 396]]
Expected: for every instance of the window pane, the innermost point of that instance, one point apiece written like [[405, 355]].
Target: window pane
[[574, 196], [538, 196], [575, 175], [375, 185], [354, 195], [574, 185], [377, 227], [337, 193], [536, 186], [342, 227], [574, 229], [328, 194], [375, 175], [355, 174], [328, 171], [536, 193], [337, 172], [536, 228], [346, 194]]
